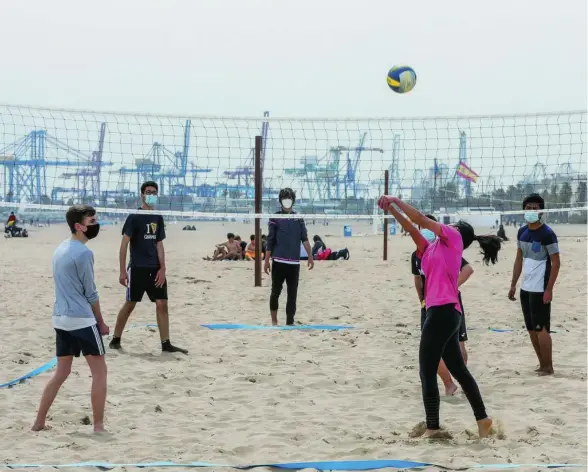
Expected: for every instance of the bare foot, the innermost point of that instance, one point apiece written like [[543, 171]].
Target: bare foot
[[545, 371], [484, 427], [436, 434], [539, 369], [39, 427], [274, 323], [450, 391], [99, 428]]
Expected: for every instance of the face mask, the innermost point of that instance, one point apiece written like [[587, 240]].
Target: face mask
[[287, 203], [428, 235], [150, 200], [531, 216], [92, 231]]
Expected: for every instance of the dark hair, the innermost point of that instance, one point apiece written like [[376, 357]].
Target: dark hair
[[534, 198], [76, 214], [12, 213], [252, 237], [317, 238], [238, 238], [263, 236], [230, 236], [489, 245], [287, 193], [149, 183], [431, 217]]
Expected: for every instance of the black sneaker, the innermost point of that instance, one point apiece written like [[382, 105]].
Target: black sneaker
[[115, 343], [167, 346]]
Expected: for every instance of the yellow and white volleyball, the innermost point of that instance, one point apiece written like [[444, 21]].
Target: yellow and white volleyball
[[401, 79]]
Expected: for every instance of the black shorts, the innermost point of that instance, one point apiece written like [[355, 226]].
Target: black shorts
[[142, 280], [537, 314], [86, 341], [463, 332]]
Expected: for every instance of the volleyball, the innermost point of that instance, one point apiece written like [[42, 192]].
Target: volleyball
[[401, 79]]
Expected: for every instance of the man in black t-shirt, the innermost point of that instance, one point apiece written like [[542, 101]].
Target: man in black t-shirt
[[145, 272], [419, 284]]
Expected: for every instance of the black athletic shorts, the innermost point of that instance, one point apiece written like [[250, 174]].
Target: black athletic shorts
[[463, 332], [537, 314], [142, 280], [86, 341]]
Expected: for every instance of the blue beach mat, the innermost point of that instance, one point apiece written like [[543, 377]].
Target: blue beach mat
[[39, 370], [281, 328]]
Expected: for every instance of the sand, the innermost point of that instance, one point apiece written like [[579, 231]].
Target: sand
[[245, 396]]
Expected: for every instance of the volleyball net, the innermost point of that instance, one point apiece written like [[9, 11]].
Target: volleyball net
[[205, 166]]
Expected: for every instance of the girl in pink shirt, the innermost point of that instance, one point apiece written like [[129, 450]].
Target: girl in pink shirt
[[441, 263]]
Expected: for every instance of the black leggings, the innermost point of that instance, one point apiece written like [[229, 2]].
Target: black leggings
[[290, 274], [440, 340]]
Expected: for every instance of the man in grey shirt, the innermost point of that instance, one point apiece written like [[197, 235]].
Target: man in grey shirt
[[77, 318]]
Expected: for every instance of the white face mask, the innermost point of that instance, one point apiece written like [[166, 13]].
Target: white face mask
[[287, 203]]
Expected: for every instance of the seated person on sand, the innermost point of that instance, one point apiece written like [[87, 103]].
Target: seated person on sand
[[11, 219], [250, 249], [501, 233], [229, 250], [242, 246]]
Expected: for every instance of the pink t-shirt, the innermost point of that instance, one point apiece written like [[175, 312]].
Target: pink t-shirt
[[441, 263]]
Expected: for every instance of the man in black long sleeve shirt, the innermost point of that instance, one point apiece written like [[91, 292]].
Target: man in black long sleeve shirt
[[283, 246]]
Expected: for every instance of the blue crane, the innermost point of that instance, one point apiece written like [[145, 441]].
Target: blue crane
[[169, 169], [244, 175], [348, 181], [25, 163], [87, 181]]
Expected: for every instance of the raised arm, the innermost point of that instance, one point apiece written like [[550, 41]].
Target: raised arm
[[417, 237], [386, 203]]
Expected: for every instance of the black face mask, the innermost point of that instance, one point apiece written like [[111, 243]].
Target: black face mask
[[92, 231]]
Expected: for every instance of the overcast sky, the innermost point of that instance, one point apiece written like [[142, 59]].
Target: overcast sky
[[294, 58]]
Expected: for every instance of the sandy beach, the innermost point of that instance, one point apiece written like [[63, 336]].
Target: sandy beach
[[273, 396]]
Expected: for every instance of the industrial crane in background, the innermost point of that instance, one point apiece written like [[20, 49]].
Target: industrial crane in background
[[333, 175], [87, 181], [245, 175], [168, 168], [25, 163]]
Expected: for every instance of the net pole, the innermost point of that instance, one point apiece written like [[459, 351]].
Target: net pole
[[386, 184], [258, 198]]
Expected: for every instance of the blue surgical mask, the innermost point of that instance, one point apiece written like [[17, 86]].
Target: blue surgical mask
[[151, 200], [428, 235], [531, 216]]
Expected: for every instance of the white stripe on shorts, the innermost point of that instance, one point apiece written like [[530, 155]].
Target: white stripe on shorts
[[129, 284], [98, 340]]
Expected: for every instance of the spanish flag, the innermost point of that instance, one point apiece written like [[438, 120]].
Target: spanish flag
[[465, 172]]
